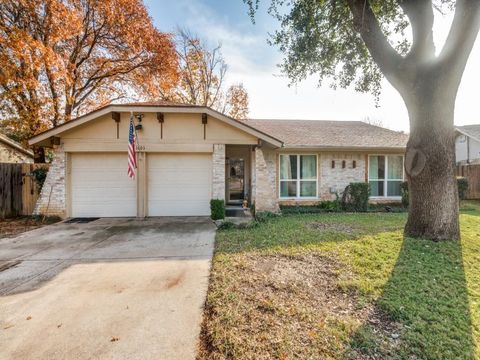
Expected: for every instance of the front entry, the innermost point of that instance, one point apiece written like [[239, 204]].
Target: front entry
[[236, 180]]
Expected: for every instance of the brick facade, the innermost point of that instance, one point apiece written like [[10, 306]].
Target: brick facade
[[218, 176], [52, 196], [265, 180], [336, 179]]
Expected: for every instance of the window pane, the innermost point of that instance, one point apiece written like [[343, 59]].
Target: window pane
[[288, 188], [288, 167], [395, 167], [308, 188], [376, 188], [376, 167], [393, 188], [308, 167]]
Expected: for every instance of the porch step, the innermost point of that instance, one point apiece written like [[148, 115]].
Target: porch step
[[236, 212]]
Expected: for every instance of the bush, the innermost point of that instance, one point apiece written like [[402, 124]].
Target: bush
[[405, 196], [263, 216], [40, 174], [355, 197], [321, 207], [217, 208], [462, 184]]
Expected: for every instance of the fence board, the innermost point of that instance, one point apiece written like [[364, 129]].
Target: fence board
[[472, 174], [10, 190], [18, 189]]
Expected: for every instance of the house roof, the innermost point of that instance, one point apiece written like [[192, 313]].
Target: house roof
[[470, 130], [331, 134], [6, 140], [319, 134], [156, 106]]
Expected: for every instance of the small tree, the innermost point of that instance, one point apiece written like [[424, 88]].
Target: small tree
[[202, 78], [359, 41]]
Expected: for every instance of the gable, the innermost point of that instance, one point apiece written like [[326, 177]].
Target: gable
[[177, 128], [181, 125]]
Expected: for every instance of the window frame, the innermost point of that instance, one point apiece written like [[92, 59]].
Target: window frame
[[386, 179], [298, 180]]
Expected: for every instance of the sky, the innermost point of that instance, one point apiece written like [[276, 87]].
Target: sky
[[253, 62]]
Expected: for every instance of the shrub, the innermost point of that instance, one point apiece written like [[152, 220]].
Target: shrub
[[405, 195], [355, 197], [217, 208], [227, 225], [321, 207], [40, 174], [263, 216], [462, 184]]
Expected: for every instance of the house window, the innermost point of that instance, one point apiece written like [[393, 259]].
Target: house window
[[385, 175], [298, 176]]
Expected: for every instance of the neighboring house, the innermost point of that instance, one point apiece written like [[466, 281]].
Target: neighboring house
[[467, 144], [188, 155], [13, 152]]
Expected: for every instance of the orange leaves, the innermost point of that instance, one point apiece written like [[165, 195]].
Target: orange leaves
[[61, 58]]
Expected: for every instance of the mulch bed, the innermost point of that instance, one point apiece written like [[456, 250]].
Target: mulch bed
[[15, 226]]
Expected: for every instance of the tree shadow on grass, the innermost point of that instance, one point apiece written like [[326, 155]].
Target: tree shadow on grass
[[427, 297]]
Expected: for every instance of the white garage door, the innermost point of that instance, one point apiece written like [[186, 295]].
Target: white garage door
[[101, 187], [179, 184]]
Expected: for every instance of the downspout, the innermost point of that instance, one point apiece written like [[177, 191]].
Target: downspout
[[468, 149]]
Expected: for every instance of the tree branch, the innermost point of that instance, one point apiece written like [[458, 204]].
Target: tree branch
[[461, 38], [386, 57], [421, 17]]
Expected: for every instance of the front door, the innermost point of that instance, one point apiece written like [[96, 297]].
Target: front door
[[236, 180]]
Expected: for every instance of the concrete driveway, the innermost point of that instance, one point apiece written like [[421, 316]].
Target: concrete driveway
[[108, 289]]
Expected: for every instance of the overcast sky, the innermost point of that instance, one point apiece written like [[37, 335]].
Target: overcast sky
[[254, 63]]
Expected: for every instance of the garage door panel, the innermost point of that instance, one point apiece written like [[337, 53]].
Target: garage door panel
[[179, 177], [179, 184], [179, 208], [101, 187]]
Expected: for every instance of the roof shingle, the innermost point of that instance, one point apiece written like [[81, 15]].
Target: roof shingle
[[330, 134]]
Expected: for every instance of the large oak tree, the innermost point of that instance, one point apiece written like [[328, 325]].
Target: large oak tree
[[359, 41]]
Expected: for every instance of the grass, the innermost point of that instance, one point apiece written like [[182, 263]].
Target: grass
[[339, 285]]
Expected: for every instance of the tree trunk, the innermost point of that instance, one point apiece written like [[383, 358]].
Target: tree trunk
[[430, 162]]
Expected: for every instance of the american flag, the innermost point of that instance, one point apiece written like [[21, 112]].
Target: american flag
[[132, 156]]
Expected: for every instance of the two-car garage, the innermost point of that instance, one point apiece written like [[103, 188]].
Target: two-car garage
[[172, 184]]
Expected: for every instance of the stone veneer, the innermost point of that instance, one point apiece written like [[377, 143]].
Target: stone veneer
[[338, 178], [218, 176], [52, 197], [265, 180]]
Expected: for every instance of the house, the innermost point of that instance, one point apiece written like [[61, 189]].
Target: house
[[467, 144], [13, 152], [188, 155]]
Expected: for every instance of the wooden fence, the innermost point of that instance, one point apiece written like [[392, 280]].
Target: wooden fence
[[472, 174], [18, 189]]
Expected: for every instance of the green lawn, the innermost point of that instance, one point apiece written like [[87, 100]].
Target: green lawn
[[343, 286]]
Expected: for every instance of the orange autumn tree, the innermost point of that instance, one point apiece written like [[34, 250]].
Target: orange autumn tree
[[236, 102], [62, 58]]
